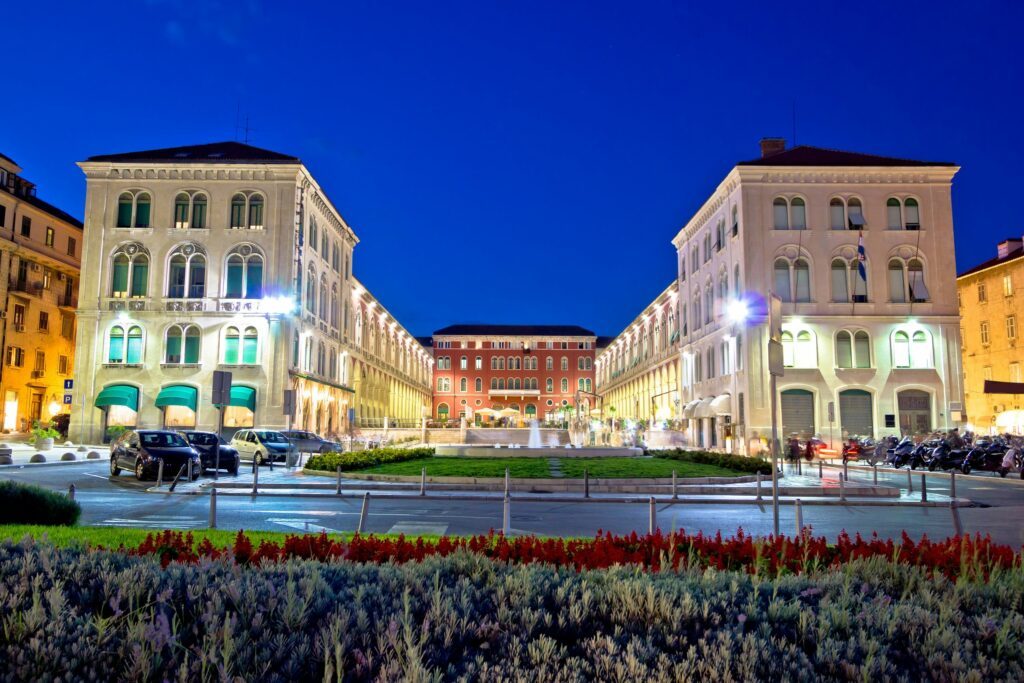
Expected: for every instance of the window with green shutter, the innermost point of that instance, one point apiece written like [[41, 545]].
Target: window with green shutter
[[235, 273], [231, 346], [249, 344], [124, 211], [135, 345], [254, 278], [238, 211], [115, 354], [192, 345], [119, 286], [142, 211], [140, 275]]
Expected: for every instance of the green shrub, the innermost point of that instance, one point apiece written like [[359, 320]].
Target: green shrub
[[359, 460], [27, 504], [79, 615], [739, 463]]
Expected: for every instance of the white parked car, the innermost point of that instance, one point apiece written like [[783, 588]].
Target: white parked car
[[262, 446]]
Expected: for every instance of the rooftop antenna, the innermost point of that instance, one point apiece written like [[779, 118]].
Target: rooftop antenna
[[247, 129], [238, 111]]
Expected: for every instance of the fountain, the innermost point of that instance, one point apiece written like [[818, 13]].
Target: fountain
[[534, 440]]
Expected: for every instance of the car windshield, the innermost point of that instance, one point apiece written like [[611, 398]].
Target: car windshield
[[271, 437], [203, 439], [161, 439]]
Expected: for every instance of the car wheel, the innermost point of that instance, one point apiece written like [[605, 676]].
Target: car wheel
[[196, 471], [234, 470], [965, 468], [140, 470], [114, 469]]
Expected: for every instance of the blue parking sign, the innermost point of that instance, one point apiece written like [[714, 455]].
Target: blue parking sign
[[67, 399], [68, 386]]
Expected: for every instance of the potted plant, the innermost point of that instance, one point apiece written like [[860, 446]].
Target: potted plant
[[115, 431], [43, 437]]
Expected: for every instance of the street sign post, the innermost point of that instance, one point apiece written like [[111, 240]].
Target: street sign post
[[221, 399], [776, 368]]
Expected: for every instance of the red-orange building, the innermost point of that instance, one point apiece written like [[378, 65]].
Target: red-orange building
[[532, 369]]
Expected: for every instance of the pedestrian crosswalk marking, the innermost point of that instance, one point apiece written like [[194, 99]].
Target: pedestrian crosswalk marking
[[419, 528]]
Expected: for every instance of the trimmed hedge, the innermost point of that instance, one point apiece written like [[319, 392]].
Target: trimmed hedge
[[360, 460], [28, 504], [71, 614], [733, 462]]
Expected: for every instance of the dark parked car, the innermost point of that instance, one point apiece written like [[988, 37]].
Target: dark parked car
[[208, 444], [308, 442], [142, 450]]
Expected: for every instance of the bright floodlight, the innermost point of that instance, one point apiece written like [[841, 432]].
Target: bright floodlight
[[738, 311], [278, 304]]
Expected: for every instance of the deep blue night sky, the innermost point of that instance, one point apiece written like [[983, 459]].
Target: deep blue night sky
[[523, 162]]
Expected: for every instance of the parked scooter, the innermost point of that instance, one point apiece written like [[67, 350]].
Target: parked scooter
[[882, 449], [921, 454], [944, 457], [987, 455], [899, 455]]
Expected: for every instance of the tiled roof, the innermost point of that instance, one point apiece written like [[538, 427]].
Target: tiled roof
[[997, 261], [805, 155], [217, 152], [13, 162], [517, 330], [52, 210]]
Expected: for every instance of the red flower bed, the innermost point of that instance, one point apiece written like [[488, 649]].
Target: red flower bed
[[972, 557]]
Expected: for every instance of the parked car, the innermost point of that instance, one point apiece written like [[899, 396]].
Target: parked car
[[208, 444], [308, 442], [142, 450], [262, 445]]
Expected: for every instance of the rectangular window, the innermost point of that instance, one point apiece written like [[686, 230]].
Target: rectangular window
[[26, 226], [49, 236], [19, 315], [1007, 285], [15, 356], [47, 277], [463, 363], [1011, 327], [72, 245], [3, 215], [44, 321], [982, 294], [40, 361], [479, 363], [1014, 372], [62, 365], [984, 332]]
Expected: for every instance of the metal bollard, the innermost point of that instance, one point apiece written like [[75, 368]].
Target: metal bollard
[[952, 485], [255, 480], [337, 488], [874, 474], [910, 483], [508, 483], [758, 486], [821, 470], [846, 470], [675, 485], [924, 490], [189, 469], [363, 513], [842, 490], [653, 521], [506, 516], [798, 511], [958, 527], [423, 481], [586, 483], [213, 508], [71, 492], [160, 473]]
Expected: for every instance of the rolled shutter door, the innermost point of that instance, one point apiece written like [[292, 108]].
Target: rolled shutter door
[[855, 412], [797, 412]]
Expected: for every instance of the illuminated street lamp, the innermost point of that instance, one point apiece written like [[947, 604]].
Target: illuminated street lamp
[[738, 311]]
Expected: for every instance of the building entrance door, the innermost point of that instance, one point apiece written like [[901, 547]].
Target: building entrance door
[[797, 413], [915, 412], [36, 406]]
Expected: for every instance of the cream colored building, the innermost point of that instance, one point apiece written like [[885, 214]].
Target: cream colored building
[[637, 374], [991, 311], [863, 357], [40, 251], [228, 257]]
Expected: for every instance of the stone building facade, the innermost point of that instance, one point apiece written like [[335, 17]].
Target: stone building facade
[[227, 257], [991, 312], [867, 356], [40, 252]]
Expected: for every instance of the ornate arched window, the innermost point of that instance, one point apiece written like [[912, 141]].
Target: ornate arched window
[[129, 271], [181, 344], [247, 211], [133, 209], [186, 272], [125, 345], [244, 273]]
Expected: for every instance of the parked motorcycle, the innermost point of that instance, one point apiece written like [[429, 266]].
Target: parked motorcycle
[[899, 455], [987, 455], [943, 457], [921, 454], [881, 450]]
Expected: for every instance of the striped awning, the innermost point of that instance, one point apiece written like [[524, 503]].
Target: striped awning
[[243, 397], [118, 395], [177, 395]]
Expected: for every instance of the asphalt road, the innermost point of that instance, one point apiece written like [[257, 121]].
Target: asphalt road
[[122, 501]]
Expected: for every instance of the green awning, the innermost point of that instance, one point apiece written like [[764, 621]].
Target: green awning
[[177, 395], [244, 397], [118, 395]]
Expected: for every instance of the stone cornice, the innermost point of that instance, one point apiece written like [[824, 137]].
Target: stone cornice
[[95, 170]]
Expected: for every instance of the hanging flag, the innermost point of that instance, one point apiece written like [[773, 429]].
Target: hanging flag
[[862, 259]]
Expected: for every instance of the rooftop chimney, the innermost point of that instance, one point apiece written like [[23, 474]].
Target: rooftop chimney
[[770, 146], [1008, 246]]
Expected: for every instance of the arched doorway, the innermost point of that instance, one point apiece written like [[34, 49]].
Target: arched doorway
[[915, 408]]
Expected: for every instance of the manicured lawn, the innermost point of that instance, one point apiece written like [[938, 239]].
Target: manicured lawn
[[625, 468], [524, 468], [112, 537]]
